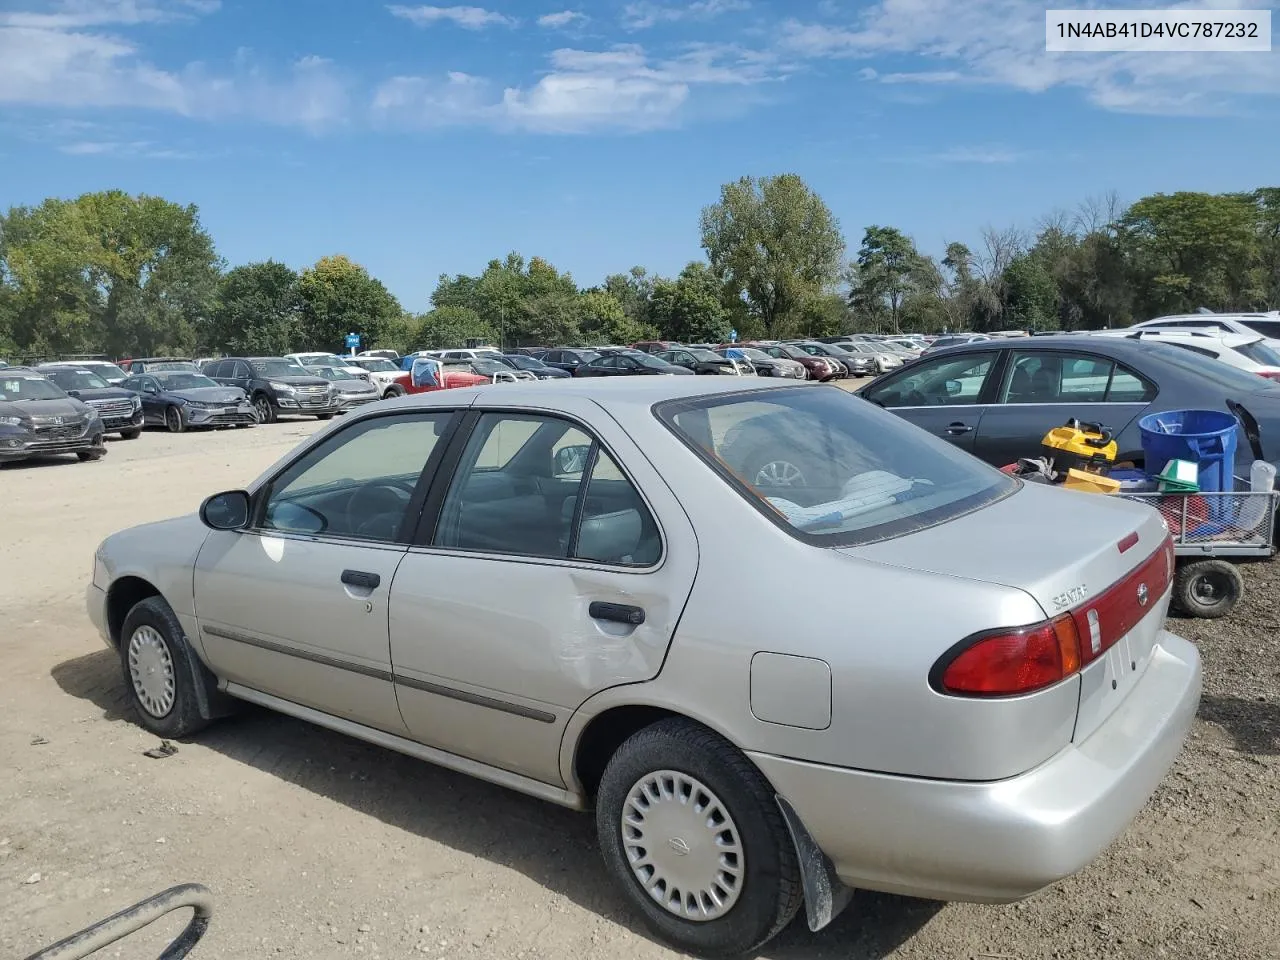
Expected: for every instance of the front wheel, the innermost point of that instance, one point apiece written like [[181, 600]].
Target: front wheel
[[692, 833], [396, 391], [90, 455], [133, 434], [324, 416], [1207, 589], [174, 420], [263, 407], [157, 670]]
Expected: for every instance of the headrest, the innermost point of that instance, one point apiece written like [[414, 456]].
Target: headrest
[[610, 537]]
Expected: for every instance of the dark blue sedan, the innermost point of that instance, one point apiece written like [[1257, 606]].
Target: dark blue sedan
[[178, 399]]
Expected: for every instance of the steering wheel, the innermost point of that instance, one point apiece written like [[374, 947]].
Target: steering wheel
[[916, 398], [377, 505]]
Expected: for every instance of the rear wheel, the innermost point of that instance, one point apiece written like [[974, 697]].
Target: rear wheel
[[174, 420], [1207, 589], [692, 833]]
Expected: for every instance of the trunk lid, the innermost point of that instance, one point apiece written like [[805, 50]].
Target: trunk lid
[[1101, 558]]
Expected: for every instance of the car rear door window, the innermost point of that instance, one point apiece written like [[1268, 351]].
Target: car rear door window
[[359, 483], [533, 486], [1044, 377]]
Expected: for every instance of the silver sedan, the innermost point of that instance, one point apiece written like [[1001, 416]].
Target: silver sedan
[[630, 596]]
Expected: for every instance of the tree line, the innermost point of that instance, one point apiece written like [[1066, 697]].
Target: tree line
[[129, 275]]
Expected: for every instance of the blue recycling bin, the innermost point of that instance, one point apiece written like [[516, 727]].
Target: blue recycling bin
[[1207, 438]]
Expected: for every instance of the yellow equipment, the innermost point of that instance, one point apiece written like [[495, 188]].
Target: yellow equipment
[[1078, 446], [1087, 482]]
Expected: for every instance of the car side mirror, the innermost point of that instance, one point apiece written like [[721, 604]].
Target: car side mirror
[[148, 388], [572, 461], [74, 393], [226, 511], [953, 388]]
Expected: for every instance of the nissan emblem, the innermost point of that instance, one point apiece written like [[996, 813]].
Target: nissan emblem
[[1142, 594]]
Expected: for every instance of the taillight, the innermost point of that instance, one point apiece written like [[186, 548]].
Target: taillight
[[1004, 663], [1013, 661], [1270, 374]]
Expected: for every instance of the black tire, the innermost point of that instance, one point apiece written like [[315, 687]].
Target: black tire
[[1207, 589], [88, 456], [393, 391], [770, 893], [183, 716], [174, 421], [133, 434], [324, 416], [265, 409]]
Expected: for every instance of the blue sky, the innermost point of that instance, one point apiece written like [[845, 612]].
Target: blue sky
[[422, 140]]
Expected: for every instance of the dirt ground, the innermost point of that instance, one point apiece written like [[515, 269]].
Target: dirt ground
[[316, 845]]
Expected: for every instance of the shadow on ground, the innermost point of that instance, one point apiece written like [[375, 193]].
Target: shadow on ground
[[1253, 724], [550, 845]]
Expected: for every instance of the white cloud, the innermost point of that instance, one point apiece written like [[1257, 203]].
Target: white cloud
[[565, 18], [643, 14], [130, 149], [620, 89], [469, 18], [71, 14], [1001, 42], [78, 68]]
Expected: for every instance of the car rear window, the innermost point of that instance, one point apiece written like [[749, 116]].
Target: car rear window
[[1213, 371], [832, 468]]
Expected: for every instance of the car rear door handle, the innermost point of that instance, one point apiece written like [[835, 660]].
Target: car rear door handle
[[958, 428], [617, 612], [360, 578]]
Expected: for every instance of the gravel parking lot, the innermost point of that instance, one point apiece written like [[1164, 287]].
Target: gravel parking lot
[[316, 845]]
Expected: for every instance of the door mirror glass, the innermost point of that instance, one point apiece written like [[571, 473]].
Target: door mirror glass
[[150, 388], [953, 388], [572, 460], [226, 511], [73, 393]]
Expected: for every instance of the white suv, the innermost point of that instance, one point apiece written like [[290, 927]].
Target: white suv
[[1250, 352], [1266, 324]]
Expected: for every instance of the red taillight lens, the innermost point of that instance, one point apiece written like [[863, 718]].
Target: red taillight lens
[[1270, 374], [1014, 661], [1009, 662]]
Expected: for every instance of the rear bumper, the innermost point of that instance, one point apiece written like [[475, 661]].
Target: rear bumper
[[1000, 841]]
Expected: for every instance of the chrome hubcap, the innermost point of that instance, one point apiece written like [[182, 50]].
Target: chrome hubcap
[[264, 410], [682, 845], [151, 670], [779, 473]]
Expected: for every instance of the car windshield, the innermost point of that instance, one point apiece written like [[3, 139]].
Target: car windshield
[[77, 380], [280, 368], [1210, 369], [749, 353], [705, 355], [333, 373], [1259, 352], [184, 381], [107, 370], [789, 351], [154, 365], [378, 366], [29, 388], [487, 366], [1268, 328], [323, 360], [832, 468]]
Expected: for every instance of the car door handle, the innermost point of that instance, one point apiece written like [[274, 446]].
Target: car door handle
[[957, 428], [617, 612], [359, 578]]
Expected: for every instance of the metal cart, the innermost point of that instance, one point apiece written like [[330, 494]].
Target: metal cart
[[1211, 532], [132, 919]]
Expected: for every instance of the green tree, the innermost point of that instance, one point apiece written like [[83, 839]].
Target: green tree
[[449, 326], [601, 319], [257, 310], [633, 290], [339, 297], [1189, 250], [1030, 295], [775, 244], [690, 309], [884, 275]]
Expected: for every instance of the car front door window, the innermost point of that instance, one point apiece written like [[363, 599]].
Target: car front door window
[[359, 483], [944, 381]]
